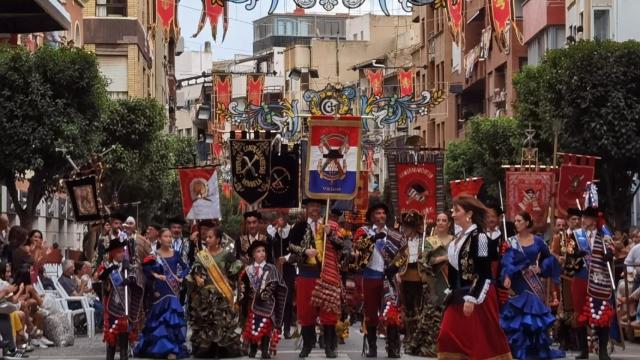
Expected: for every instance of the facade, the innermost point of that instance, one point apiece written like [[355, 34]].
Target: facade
[[602, 19], [544, 27]]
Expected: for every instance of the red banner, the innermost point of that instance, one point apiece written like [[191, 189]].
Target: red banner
[[454, 13], [222, 97], [468, 186], [213, 10], [361, 201], [166, 10], [575, 172], [500, 14], [530, 192], [417, 188], [405, 79], [255, 87], [375, 81], [199, 190]]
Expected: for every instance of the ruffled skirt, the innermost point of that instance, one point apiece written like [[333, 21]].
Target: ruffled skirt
[[165, 331], [525, 321]]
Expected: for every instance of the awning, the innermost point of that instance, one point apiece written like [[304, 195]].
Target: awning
[[29, 16]]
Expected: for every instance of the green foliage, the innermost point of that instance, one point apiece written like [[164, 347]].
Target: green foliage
[[590, 93]]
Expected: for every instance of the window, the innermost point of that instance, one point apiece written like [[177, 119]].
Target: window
[[601, 24], [77, 38], [114, 68], [331, 28], [111, 7], [187, 132]]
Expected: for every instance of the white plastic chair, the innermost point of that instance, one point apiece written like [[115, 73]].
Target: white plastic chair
[[86, 309], [52, 270]]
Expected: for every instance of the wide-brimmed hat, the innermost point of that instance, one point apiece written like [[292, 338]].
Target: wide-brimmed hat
[[590, 212], [118, 216], [115, 244], [574, 212], [375, 207], [256, 244]]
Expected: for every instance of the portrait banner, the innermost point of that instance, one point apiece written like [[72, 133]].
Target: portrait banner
[[575, 172], [333, 158], [251, 168], [531, 192], [285, 180], [84, 198], [200, 194], [468, 186]]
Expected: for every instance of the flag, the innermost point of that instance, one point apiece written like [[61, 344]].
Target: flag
[[531, 192], [417, 188], [166, 10], [333, 158], [285, 186], [575, 172], [501, 19], [468, 186], [405, 79], [255, 87], [200, 195], [251, 168], [375, 81], [222, 97], [213, 10], [454, 14]]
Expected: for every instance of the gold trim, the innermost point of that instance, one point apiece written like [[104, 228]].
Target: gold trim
[[218, 279]]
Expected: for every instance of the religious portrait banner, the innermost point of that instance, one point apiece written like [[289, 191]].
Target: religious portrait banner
[[200, 195], [251, 168], [531, 192], [575, 172], [285, 181], [84, 199]]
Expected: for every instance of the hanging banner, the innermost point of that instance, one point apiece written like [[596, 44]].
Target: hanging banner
[[405, 79], [166, 10], [531, 192], [200, 195], [417, 188], [333, 158], [283, 190], [575, 172], [84, 198], [222, 97], [255, 87], [375, 81], [468, 186], [251, 168], [213, 10], [501, 18], [454, 14]]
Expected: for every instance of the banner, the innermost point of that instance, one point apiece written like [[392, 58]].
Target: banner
[[213, 10], [501, 18], [251, 168], [84, 198], [375, 81], [454, 14], [333, 158], [166, 10], [417, 188], [575, 172], [531, 192], [222, 97], [405, 79], [361, 201], [199, 190], [468, 186], [255, 87], [285, 182]]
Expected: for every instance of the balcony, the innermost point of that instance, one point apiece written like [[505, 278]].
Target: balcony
[[115, 31], [30, 16]]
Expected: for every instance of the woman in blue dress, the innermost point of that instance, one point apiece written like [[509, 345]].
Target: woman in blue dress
[[525, 318], [164, 334]]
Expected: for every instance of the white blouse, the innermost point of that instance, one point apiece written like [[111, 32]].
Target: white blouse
[[454, 247]]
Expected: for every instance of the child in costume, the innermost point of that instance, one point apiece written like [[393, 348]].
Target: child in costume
[[262, 298]]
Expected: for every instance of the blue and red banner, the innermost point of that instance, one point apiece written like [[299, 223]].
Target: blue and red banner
[[333, 158]]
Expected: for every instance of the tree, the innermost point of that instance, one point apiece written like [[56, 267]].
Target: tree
[[49, 100], [589, 95]]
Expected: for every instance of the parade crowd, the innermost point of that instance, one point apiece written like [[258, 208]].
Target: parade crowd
[[469, 286]]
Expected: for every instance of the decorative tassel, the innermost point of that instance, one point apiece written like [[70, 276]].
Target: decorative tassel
[[391, 315], [275, 340]]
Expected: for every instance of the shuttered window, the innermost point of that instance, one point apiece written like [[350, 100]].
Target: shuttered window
[[114, 68]]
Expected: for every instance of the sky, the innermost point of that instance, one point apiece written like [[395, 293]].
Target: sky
[[239, 38]]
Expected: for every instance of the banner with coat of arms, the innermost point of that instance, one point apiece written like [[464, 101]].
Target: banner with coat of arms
[[285, 182], [531, 192], [333, 158], [251, 168], [200, 195], [575, 172]]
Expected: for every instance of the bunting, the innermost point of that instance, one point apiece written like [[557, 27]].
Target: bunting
[[213, 10], [222, 88], [255, 88], [454, 15], [375, 81], [405, 79], [166, 10]]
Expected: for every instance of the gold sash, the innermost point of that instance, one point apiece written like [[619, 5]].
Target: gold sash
[[217, 277], [319, 244]]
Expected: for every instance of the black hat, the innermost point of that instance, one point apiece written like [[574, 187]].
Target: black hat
[[178, 219], [497, 209], [256, 244], [118, 216], [336, 212], [252, 213], [206, 223], [116, 244], [155, 226], [573, 212], [375, 207], [412, 219], [307, 201], [590, 212]]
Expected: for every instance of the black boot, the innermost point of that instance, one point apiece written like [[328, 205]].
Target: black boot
[[123, 341], [372, 339], [308, 340], [264, 347], [111, 352], [253, 350], [330, 341], [583, 346], [603, 344], [393, 342]]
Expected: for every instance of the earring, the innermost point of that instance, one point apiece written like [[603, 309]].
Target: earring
[[468, 219]]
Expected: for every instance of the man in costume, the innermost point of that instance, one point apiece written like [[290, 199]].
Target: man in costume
[[252, 233], [309, 251], [138, 247], [378, 246], [279, 233], [497, 245], [180, 243]]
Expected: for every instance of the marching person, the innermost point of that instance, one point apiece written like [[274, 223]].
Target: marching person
[[279, 233], [497, 242], [307, 252], [138, 247], [180, 244], [380, 244], [252, 233], [262, 297], [525, 318], [470, 324]]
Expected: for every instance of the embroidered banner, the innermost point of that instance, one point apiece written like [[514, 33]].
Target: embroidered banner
[[222, 88], [84, 198], [251, 168], [255, 88], [405, 79], [417, 188], [283, 191], [531, 192], [199, 190], [575, 172], [166, 10], [375, 81], [468, 186], [454, 14], [502, 18], [333, 158]]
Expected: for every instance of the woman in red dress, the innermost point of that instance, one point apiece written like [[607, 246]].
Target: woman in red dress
[[470, 326]]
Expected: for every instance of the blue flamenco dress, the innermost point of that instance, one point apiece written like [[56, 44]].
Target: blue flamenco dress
[[525, 318], [165, 330]]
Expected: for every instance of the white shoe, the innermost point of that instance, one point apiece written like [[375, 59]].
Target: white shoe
[[46, 341], [38, 344]]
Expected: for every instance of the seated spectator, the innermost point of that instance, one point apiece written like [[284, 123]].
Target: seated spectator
[[66, 280], [633, 258]]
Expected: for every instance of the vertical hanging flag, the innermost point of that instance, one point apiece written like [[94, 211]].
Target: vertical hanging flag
[[166, 10], [405, 79], [213, 10], [531, 192], [255, 87], [333, 158], [575, 172], [199, 190], [375, 81], [283, 191], [454, 14], [501, 18], [469, 186], [222, 97]]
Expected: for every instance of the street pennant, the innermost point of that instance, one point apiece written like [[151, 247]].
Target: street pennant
[[531, 192], [454, 14], [283, 190], [468, 186], [502, 19], [375, 81], [222, 87], [255, 88], [405, 79], [575, 172], [213, 10], [251, 168], [166, 10], [200, 195], [333, 158]]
